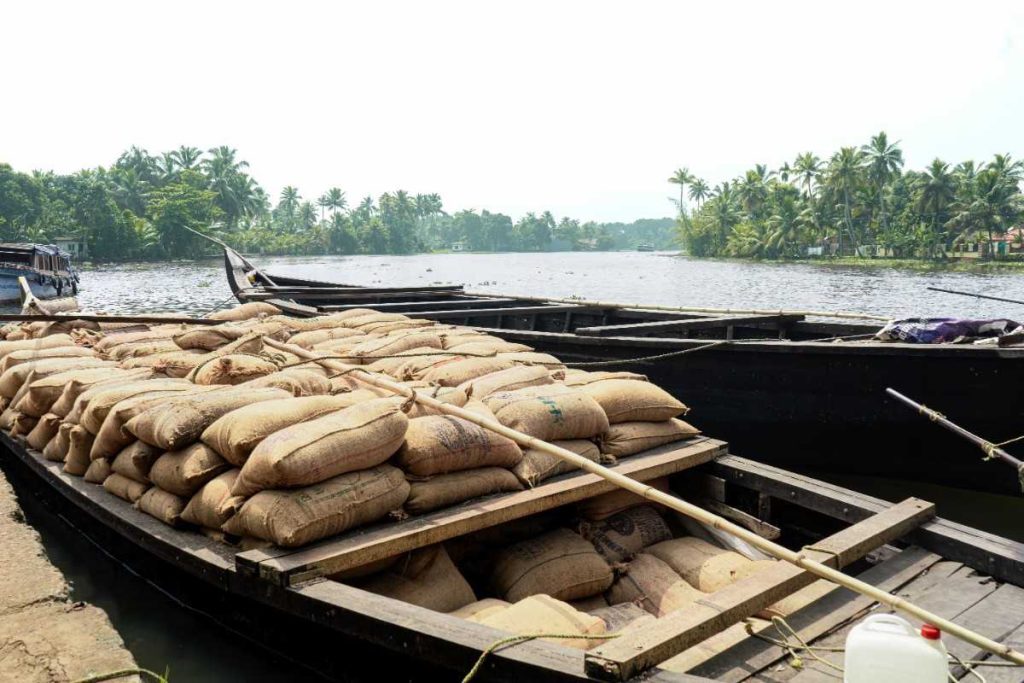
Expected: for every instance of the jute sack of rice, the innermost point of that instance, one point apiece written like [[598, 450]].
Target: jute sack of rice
[[537, 466], [355, 438], [459, 370], [382, 347], [79, 443], [451, 395], [294, 518], [627, 400], [475, 611], [387, 327], [550, 413], [27, 355], [134, 461], [166, 363], [341, 347], [112, 436], [253, 309], [464, 335], [392, 365], [518, 377], [235, 434], [613, 502], [296, 381], [308, 339], [109, 341], [93, 405], [626, 533], [212, 505], [44, 430], [652, 584], [346, 382], [209, 337], [234, 368], [180, 421], [539, 614], [138, 349], [705, 566], [186, 471], [162, 505], [446, 490], [98, 471], [416, 366], [42, 393], [57, 449], [533, 358], [629, 438], [7, 418], [23, 425], [579, 378], [12, 379], [558, 563], [426, 577], [76, 387], [590, 604], [124, 488], [7, 347], [320, 322], [438, 444], [489, 347], [626, 615]]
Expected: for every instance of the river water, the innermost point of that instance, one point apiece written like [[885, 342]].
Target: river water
[[163, 634]]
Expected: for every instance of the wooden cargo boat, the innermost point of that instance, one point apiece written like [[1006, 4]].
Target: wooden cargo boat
[[46, 268], [778, 386], [285, 599]]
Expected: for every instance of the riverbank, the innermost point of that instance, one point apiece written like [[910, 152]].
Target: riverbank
[[44, 635], [955, 265]]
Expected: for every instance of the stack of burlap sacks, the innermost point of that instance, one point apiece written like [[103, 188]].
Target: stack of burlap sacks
[[208, 426]]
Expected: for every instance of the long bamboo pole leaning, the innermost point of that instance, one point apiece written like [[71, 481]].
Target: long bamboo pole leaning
[[650, 493], [687, 309]]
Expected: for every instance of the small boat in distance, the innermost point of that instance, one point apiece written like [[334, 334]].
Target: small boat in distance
[[645, 247], [46, 268]]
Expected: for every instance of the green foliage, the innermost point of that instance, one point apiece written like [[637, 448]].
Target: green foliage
[[860, 197]]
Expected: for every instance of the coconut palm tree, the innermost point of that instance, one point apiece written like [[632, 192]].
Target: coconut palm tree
[[937, 191], [753, 192], [807, 168], [323, 202], [844, 175], [699, 191], [289, 201], [336, 200], [681, 178], [187, 158], [884, 161]]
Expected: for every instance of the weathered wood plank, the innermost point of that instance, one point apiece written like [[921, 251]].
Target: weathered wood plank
[[453, 302], [747, 521], [443, 314], [998, 557], [1003, 674], [386, 540], [687, 324], [628, 656], [996, 617], [740, 656]]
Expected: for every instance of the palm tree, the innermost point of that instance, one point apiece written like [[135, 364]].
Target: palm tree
[[289, 201], [937, 191], [186, 157], [884, 161], [336, 200], [807, 167], [785, 171], [681, 178], [753, 192], [307, 215], [699, 191], [323, 202], [844, 176]]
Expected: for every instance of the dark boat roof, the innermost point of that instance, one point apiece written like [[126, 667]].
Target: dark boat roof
[[49, 249]]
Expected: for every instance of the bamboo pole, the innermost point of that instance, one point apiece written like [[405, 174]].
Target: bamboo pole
[[775, 550], [95, 317], [977, 296], [688, 309]]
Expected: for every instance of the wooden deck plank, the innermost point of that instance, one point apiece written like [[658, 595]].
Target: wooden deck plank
[[687, 324], [628, 656], [745, 655], [1003, 674], [996, 617], [287, 567]]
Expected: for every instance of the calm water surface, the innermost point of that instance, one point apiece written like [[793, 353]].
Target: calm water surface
[[161, 633]]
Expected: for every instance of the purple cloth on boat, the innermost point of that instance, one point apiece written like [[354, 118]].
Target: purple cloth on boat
[[943, 330]]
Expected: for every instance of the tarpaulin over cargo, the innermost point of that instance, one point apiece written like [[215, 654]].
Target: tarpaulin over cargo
[[944, 330]]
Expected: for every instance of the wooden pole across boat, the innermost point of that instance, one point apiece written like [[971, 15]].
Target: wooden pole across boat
[[685, 309], [991, 450], [99, 318], [649, 492], [977, 296]]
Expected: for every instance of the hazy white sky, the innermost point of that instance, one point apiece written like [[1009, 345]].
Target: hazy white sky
[[581, 108]]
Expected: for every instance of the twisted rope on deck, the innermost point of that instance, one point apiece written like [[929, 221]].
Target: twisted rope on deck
[[111, 675], [515, 640], [642, 359]]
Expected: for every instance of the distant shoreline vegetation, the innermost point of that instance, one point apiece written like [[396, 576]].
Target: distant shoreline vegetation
[[860, 203], [138, 209]]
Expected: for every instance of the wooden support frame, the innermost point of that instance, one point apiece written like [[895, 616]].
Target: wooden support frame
[[455, 301], [632, 654], [690, 324], [290, 566]]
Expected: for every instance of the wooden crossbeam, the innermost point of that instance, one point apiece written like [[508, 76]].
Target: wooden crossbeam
[[688, 324], [287, 567], [634, 653], [335, 295], [453, 302], [290, 289], [511, 310]]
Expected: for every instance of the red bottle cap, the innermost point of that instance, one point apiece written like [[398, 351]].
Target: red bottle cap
[[930, 632]]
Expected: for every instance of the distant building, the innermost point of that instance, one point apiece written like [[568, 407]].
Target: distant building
[[75, 246], [458, 246], [1010, 243]]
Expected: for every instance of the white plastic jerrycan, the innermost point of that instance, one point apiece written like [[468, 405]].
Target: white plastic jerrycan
[[885, 648]]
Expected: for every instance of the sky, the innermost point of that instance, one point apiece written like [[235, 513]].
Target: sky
[[580, 108]]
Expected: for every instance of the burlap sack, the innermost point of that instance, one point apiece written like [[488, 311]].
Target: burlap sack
[[93, 405], [479, 609], [626, 533], [511, 379], [652, 584], [537, 466], [294, 518], [627, 400], [98, 471], [355, 438], [57, 449], [253, 309], [235, 434], [44, 430], [209, 337], [208, 507], [382, 347], [579, 378], [534, 358], [425, 577], [439, 444], [613, 502], [559, 563], [180, 421], [147, 348], [73, 389], [405, 363], [113, 436], [16, 358], [184, 472], [589, 604], [459, 370], [543, 614], [42, 393], [705, 566], [307, 340], [625, 616], [549, 413], [50, 342], [629, 438], [387, 327], [12, 379], [162, 505], [23, 425], [320, 322], [124, 488], [451, 395], [489, 347], [135, 461], [446, 490], [296, 381], [109, 341], [79, 443], [233, 368]]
